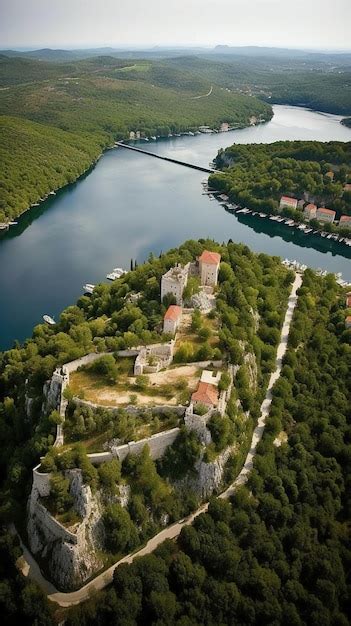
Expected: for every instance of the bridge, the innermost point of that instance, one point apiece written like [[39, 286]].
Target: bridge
[[208, 170]]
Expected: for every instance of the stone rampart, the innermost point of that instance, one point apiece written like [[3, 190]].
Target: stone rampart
[[157, 444], [51, 526], [41, 482]]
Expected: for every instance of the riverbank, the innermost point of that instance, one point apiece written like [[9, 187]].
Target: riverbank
[[131, 204]]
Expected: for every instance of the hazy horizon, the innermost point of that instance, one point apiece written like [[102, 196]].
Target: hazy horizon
[[75, 24]]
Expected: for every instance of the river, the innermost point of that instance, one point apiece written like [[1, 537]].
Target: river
[[131, 204]]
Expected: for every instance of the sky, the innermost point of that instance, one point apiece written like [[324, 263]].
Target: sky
[[309, 24]]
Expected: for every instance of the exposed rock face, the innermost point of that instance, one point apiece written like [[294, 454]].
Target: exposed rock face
[[70, 552], [209, 476]]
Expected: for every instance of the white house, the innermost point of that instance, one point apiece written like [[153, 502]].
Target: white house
[[208, 267], [174, 282], [172, 319]]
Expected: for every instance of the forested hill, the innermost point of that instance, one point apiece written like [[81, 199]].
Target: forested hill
[[73, 111], [257, 175], [279, 552]]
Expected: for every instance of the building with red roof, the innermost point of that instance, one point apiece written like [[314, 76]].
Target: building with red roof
[[345, 221], [348, 322], [205, 394], [325, 215], [172, 319], [310, 211], [287, 203], [208, 267]]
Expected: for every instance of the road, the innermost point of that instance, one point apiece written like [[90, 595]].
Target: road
[[205, 95], [29, 566]]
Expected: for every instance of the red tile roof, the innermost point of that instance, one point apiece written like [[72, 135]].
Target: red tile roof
[[345, 218], [347, 187], [211, 258], [288, 200], [173, 312], [348, 320], [311, 207], [326, 211], [348, 301], [206, 393]]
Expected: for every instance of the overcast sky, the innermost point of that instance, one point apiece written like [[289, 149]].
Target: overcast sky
[[88, 23]]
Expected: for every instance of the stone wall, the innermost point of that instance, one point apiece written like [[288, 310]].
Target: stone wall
[[51, 527], [157, 444], [134, 410], [198, 424], [41, 482]]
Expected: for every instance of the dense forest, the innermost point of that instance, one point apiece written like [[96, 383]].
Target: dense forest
[[76, 110], [258, 175], [279, 552], [313, 83]]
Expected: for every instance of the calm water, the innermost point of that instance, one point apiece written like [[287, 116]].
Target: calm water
[[131, 204]]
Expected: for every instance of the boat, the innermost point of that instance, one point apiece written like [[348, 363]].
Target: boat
[[153, 138], [117, 272], [52, 193], [49, 320], [88, 288]]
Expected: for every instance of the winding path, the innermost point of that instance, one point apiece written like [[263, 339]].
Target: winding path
[[205, 95], [29, 566]]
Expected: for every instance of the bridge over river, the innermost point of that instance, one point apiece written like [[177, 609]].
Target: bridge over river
[[120, 144]]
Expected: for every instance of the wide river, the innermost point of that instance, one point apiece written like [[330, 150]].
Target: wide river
[[131, 204]]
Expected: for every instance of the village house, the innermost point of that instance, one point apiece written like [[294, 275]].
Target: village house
[[310, 211], [348, 322], [345, 221], [224, 127], [301, 203], [209, 266], [172, 319], [347, 187], [348, 299], [174, 282], [206, 394], [287, 203], [325, 215], [132, 135]]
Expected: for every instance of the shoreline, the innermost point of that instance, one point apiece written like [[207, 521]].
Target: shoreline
[[5, 226]]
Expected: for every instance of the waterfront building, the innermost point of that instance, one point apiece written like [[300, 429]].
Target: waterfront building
[[174, 282], [347, 187], [348, 322], [132, 135], [208, 267], [172, 319], [205, 394], [345, 221], [287, 203], [325, 215], [310, 211], [348, 300], [224, 127], [300, 203]]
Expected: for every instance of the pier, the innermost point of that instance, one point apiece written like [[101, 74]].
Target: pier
[[120, 144]]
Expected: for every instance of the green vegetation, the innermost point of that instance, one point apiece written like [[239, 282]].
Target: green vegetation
[[279, 551], [318, 84], [94, 427], [258, 175], [65, 117]]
